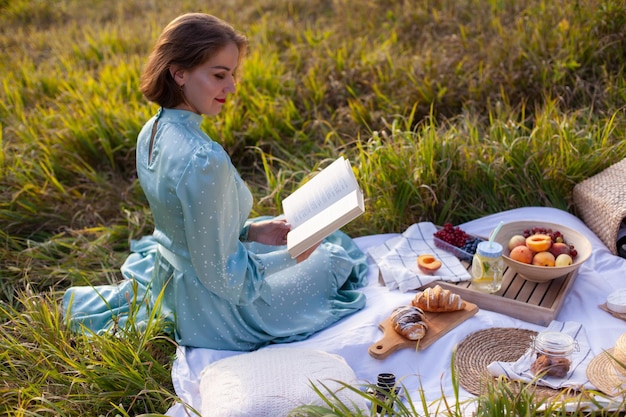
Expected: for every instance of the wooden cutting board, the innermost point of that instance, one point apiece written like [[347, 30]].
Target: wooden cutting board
[[438, 325]]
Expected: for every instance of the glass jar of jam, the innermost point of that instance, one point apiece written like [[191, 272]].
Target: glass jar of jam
[[553, 354]]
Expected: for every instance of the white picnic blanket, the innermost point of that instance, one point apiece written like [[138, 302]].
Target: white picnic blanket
[[429, 369]]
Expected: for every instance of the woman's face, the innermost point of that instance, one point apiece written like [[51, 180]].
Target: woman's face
[[207, 86]]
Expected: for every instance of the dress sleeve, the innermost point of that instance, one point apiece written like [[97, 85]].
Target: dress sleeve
[[212, 217]]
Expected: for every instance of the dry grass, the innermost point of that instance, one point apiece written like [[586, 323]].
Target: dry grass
[[449, 110]]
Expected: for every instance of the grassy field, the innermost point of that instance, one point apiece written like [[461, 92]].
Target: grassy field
[[449, 110]]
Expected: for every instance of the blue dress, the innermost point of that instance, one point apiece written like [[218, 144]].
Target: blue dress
[[218, 291]]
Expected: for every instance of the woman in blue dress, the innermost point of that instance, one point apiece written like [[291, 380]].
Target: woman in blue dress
[[225, 281]]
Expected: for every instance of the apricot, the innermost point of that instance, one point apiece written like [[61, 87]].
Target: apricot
[[428, 263], [539, 242], [521, 254], [544, 258]]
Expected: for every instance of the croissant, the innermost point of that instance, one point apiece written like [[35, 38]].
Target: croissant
[[410, 322], [438, 300]]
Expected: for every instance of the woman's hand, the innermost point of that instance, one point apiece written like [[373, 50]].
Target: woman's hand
[[274, 232], [269, 232]]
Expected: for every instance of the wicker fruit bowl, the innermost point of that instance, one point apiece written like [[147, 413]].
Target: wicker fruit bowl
[[537, 273]]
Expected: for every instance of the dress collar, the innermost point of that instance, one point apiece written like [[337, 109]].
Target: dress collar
[[179, 116]]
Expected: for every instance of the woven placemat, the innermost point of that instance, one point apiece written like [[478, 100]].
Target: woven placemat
[[483, 347], [601, 202], [603, 375]]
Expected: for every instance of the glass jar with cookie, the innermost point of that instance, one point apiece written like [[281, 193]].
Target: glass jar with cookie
[[553, 354]]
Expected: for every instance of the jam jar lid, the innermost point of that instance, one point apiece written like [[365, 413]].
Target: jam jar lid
[[554, 343], [489, 249]]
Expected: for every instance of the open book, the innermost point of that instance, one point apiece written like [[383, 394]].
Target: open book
[[327, 202]]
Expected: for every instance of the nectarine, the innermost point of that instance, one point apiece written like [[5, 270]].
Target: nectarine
[[543, 258], [539, 242], [521, 254], [559, 248], [516, 240]]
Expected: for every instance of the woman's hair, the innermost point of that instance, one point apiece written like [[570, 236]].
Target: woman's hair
[[188, 41]]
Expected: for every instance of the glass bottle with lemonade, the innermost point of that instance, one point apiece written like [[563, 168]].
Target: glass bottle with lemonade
[[487, 267]]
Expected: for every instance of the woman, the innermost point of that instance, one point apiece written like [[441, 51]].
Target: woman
[[225, 282]]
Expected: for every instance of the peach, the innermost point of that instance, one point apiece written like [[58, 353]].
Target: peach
[[539, 242], [521, 254], [543, 258], [516, 240], [559, 248], [563, 260], [428, 263]]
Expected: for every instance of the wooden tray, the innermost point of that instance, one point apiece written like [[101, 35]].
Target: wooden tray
[[438, 325], [533, 302]]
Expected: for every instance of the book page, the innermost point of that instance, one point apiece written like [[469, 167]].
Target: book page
[[320, 225], [330, 185]]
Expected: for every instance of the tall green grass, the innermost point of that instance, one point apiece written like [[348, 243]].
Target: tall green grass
[[49, 370], [448, 109]]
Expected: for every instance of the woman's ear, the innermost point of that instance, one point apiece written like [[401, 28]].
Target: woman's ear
[[178, 74]]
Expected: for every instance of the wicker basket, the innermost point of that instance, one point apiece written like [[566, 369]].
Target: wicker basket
[[601, 202]]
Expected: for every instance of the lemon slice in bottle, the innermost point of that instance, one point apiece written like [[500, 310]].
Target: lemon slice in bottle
[[477, 268]]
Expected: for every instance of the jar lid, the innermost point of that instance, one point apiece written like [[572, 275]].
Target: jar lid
[[554, 343], [616, 301], [489, 249]]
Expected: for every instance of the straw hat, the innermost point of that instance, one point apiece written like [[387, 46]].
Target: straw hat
[[601, 202], [604, 371], [619, 353]]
